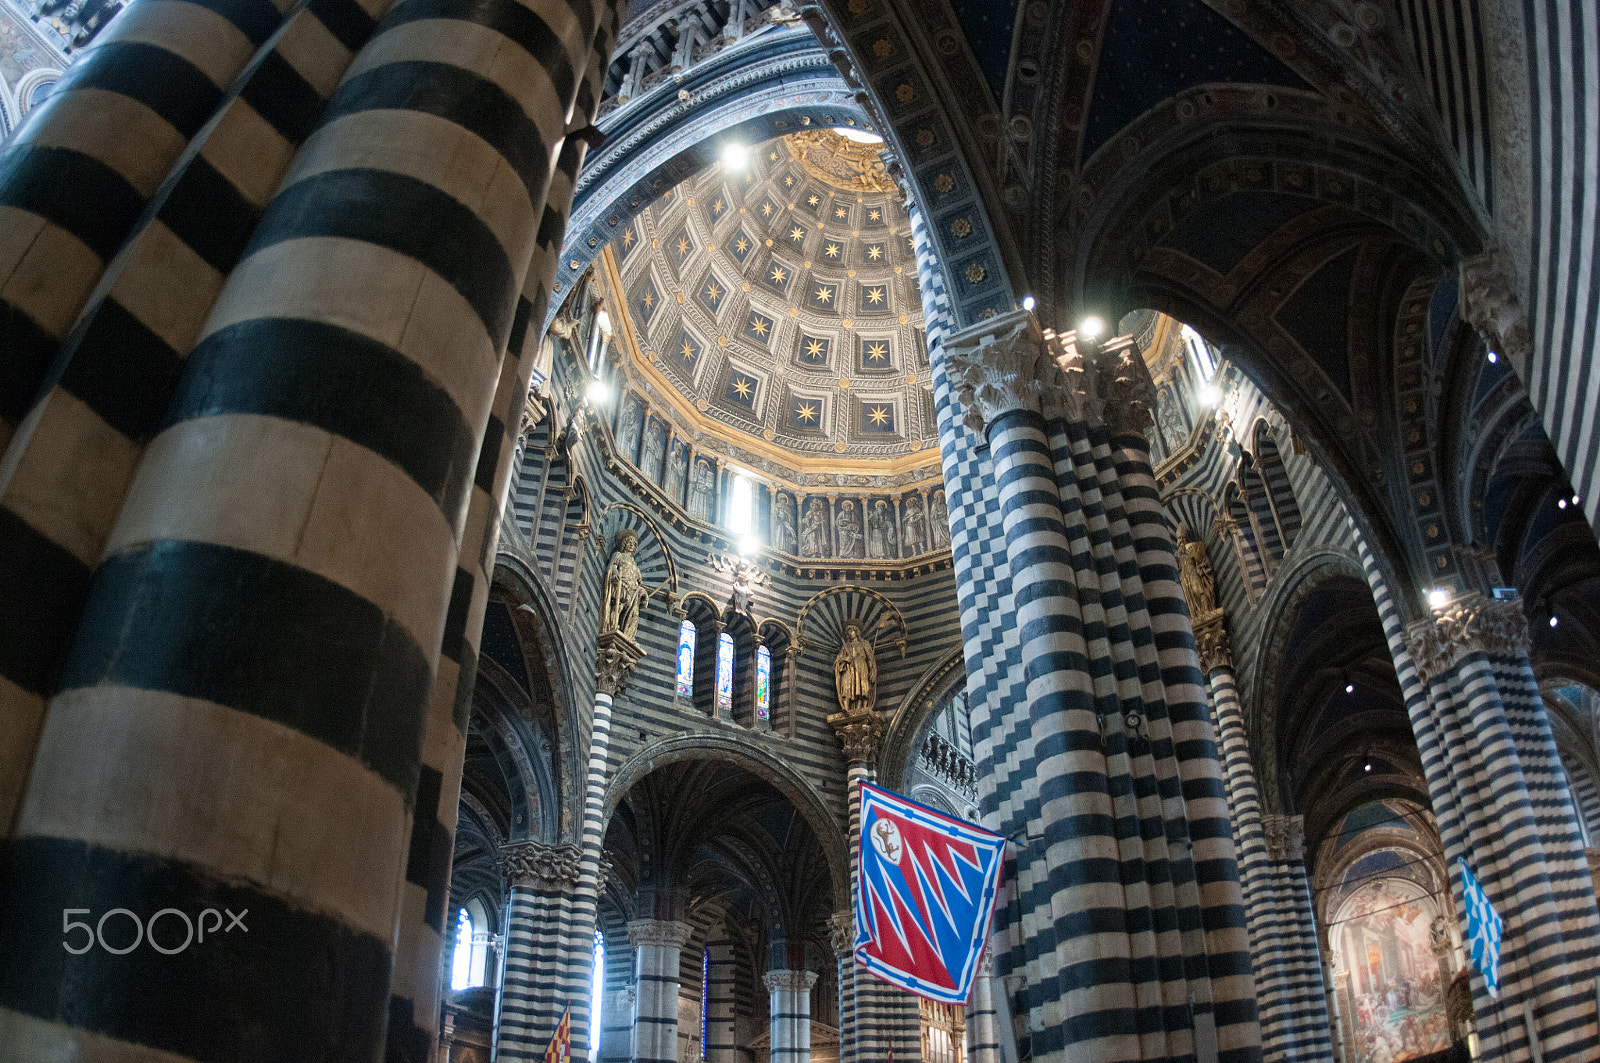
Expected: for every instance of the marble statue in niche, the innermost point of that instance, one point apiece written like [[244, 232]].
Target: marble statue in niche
[[855, 672], [624, 594], [1170, 421], [916, 526], [814, 529], [628, 431], [783, 523], [1195, 573], [939, 518], [650, 464], [672, 478], [703, 491], [847, 529], [881, 538]]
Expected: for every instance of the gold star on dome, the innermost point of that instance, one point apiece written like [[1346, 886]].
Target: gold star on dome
[[742, 246], [832, 251], [649, 300], [779, 275], [878, 351], [788, 182], [766, 210], [683, 245], [875, 252], [840, 212], [741, 387], [713, 292], [805, 412], [759, 324], [797, 234], [772, 156], [874, 215], [717, 207], [875, 296], [811, 201], [627, 238], [688, 351], [813, 348], [879, 415], [824, 293]]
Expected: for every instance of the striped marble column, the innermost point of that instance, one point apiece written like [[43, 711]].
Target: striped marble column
[[657, 960], [789, 1007], [541, 878], [245, 640], [1501, 805], [1134, 917], [842, 936], [1283, 941], [720, 1044], [983, 1020]]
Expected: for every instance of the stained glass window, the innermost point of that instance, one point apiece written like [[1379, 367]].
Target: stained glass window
[[724, 673], [763, 683], [686, 634], [705, 996]]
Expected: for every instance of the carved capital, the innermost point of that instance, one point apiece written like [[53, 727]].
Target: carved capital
[[535, 865], [843, 934], [789, 981], [1285, 837], [1211, 641], [1130, 394], [999, 365], [859, 733], [615, 662], [1491, 302], [668, 933], [1470, 624]]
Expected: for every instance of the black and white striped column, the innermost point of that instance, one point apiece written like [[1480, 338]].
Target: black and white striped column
[[541, 879], [720, 1044], [657, 962], [789, 1007], [842, 934], [983, 1020]]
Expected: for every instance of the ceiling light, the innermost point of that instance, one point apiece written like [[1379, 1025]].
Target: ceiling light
[[1210, 395], [1575, 500], [1369, 765], [1493, 358], [735, 156], [1438, 598], [1091, 327], [1561, 504], [599, 392], [1349, 688], [857, 135], [1554, 621], [1027, 302]]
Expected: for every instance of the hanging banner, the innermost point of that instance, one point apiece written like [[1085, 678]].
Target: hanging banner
[[925, 894]]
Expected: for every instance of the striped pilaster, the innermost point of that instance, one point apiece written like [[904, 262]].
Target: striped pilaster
[[1493, 815], [789, 1008], [318, 443], [720, 1044], [1283, 942], [657, 962], [842, 925], [88, 418], [983, 1021], [541, 878]]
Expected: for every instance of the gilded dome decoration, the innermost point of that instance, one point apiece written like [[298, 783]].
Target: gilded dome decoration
[[840, 162]]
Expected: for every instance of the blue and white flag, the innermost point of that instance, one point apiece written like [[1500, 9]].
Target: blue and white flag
[[925, 894], [1484, 927]]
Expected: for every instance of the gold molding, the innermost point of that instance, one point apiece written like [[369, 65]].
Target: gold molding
[[693, 419]]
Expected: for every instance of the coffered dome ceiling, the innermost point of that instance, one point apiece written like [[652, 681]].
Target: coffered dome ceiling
[[777, 307]]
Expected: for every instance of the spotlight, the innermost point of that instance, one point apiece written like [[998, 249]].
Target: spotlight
[[1576, 501], [1561, 504], [1369, 765], [1438, 598], [599, 392], [1210, 395], [1493, 358], [749, 546], [1027, 302], [735, 156], [1091, 327], [1349, 688], [1554, 621]]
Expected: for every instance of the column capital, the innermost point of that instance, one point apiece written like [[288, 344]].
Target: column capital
[[537, 865], [1470, 623], [843, 934], [1285, 837], [999, 365], [1491, 302], [666, 932], [614, 662], [1130, 393], [859, 733], [1211, 641], [793, 981]]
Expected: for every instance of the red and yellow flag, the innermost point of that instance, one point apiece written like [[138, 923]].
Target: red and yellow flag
[[560, 1050]]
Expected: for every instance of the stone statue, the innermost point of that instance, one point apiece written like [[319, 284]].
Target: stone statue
[[814, 529], [1194, 572], [916, 536], [940, 519], [672, 478], [783, 524], [650, 464], [846, 533], [623, 597], [702, 490], [628, 431], [855, 672], [880, 531]]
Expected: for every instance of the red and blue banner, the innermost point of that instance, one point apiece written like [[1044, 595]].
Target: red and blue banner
[[925, 892]]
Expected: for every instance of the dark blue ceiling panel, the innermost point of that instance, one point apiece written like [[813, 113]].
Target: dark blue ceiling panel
[[1318, 316], [1154, 49], [988, 25], [1220, 233]]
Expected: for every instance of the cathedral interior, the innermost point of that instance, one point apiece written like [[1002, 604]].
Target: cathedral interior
[[485, 483]]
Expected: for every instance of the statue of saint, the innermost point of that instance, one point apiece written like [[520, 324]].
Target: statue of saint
[[1194, 572], [916, 526], [672, 478], [650, 464], [628, 432], [855, 671], [940, 519], [880, 531], [814, 529], [783, 524], [624, 594], [845, 530], [703, 490]]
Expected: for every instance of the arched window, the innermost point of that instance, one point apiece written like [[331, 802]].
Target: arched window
[[1200, 352], [763, 686], [468, 965], [705, 996], [725, 662], [1275, 480], [686, 641], [741, 518], [597, 992]]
